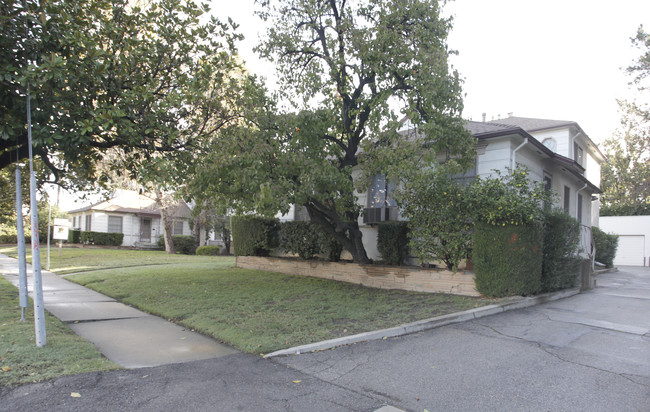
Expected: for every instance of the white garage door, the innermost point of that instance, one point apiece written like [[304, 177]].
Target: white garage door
[[630, 250]]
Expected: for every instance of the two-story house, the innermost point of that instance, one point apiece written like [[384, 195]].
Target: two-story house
[[558, 153]]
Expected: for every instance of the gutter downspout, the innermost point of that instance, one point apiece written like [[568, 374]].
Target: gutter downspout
[[579, 190], [514, 152], [573, 139]]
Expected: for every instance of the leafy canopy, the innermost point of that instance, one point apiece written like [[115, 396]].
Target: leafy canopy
[[626, 175], [350, 72], [110, 74]]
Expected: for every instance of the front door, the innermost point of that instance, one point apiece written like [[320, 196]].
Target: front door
[[145, 229]]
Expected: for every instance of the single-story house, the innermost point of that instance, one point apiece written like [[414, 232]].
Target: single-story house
[[558, 153], [633, 238], [131, 213]]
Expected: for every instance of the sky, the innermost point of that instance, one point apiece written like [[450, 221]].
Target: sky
[[551, 59]]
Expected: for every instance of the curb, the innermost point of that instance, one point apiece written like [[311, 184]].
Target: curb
[[432, 323], [606, 270]]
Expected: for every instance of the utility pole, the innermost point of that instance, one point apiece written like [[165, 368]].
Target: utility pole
[[20, 239]]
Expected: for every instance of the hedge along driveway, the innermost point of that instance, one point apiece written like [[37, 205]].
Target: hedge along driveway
[[260, 312]]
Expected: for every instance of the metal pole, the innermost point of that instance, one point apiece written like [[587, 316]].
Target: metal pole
[[39, 309], [22, 263], [49, 234]]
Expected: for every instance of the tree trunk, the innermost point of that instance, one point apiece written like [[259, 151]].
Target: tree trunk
[[348, 234], [166, 220]]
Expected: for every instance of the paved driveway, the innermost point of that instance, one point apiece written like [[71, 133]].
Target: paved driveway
[[590, 352]]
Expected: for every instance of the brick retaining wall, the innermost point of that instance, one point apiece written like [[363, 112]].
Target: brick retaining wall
[[376, 276]]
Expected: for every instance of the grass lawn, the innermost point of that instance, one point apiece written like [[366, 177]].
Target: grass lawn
[[259, 312], [21, 361], [75, 259]]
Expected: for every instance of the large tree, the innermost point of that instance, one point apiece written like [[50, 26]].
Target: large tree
[[626, 175], [352, 71], [110, 74]]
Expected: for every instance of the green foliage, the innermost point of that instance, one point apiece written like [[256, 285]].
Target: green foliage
[[74, 236], [507, 259], [12, 240], [356, 57], [101, 238], [626, 174], [561, 263], [510, 199], [184, 244], [393, 242], [208, 250], [254, 235], [302, 238], [606, 245], [439, 210], [442, 210], [308, 240], [155, 79]]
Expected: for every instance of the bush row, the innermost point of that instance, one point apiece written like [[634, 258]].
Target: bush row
[[259, 236], [100, 238], [11, 239], [184, 244]]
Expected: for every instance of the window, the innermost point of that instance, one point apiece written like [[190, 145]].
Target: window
[[74, 222], [580, 209], [115, 224], [178, 228], [567, 198], [89, 220], [550, 143], [548, 187], [380, 191], [467, 177], [578, 153]]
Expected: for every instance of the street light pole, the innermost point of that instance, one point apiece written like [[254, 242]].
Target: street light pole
[[39, 309], [20, 239]]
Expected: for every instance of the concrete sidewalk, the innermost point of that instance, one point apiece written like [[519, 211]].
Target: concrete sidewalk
[[127, 336]]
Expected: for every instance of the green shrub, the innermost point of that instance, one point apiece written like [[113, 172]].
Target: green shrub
[[74, 236], [561, 263], [183, 244], [301, 238], [253, 235], [606, 245], [507, 259], [101, 238], [392, 242], [209, 250], [307, 240], [12, 239]]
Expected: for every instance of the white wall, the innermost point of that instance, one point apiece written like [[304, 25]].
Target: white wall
[[634, 238]]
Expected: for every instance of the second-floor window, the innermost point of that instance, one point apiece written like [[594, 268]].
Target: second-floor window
[[578, 154]]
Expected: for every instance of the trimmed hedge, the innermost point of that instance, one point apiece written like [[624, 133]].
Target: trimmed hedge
[[184, 244], [507, 259], [561, 263], [12, 239], [210, 250], [101, 238], [392, 242], [301, 238], [307, 240], [606, 246], [74, 236], [254, 235]]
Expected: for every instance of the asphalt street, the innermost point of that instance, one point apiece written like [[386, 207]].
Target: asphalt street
[[589, 352]]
